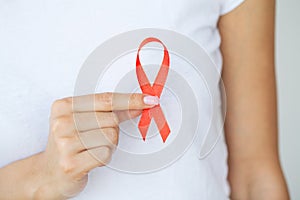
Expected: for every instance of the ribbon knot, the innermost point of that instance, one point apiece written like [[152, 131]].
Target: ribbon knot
[[155, 90]]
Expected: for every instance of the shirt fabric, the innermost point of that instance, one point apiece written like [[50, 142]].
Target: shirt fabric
[[43, 45]]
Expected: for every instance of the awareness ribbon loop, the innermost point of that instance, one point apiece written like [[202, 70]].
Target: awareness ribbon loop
[[155, 90]]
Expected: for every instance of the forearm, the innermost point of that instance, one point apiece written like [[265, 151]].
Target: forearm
[[19, 179]]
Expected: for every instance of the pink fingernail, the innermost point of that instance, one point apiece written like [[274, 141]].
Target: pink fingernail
[[151, 100]]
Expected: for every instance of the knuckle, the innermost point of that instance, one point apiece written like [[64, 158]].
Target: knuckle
[[66, 120], [60, 104], [105, 155], [115, 119], [63, 145], [112, 135], [106, 99], [67, 165], [62, 123], [67, 145], [135, 98]]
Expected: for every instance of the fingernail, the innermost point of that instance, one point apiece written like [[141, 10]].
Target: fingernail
[[151, 100]]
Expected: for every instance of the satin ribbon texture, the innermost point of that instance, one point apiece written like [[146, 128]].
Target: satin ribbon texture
[[155, 90]]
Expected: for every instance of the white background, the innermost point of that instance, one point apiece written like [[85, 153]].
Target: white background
[[288, 76]]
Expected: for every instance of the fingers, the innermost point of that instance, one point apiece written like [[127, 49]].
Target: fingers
[[84, 130], [127, 114], [93, 158], [128, 101], [99, 137], [67, 125], [95, 120], [104, 102], [88, 149]]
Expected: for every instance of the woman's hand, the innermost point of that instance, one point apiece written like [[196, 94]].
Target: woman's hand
[[81, 139], [83, 134]]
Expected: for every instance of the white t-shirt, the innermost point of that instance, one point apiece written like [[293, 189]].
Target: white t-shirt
[[43, 45]]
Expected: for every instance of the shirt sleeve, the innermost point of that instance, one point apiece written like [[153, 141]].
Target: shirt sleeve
[[229, 5]]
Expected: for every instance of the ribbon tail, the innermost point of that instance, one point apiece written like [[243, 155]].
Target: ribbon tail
[[160, 80], [144, 123], [161, 122]]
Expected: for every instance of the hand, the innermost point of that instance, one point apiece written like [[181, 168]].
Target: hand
[[83, 135]]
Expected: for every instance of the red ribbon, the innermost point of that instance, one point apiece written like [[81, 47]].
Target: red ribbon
[[154, 90]]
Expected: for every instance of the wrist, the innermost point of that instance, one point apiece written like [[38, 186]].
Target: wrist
[[42, 187], [35, 175]]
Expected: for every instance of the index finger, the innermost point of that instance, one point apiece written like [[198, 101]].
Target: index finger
[[113, 101]]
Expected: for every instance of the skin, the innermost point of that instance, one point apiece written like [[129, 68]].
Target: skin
[[251, 120], [255, 173], [61, 171]]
